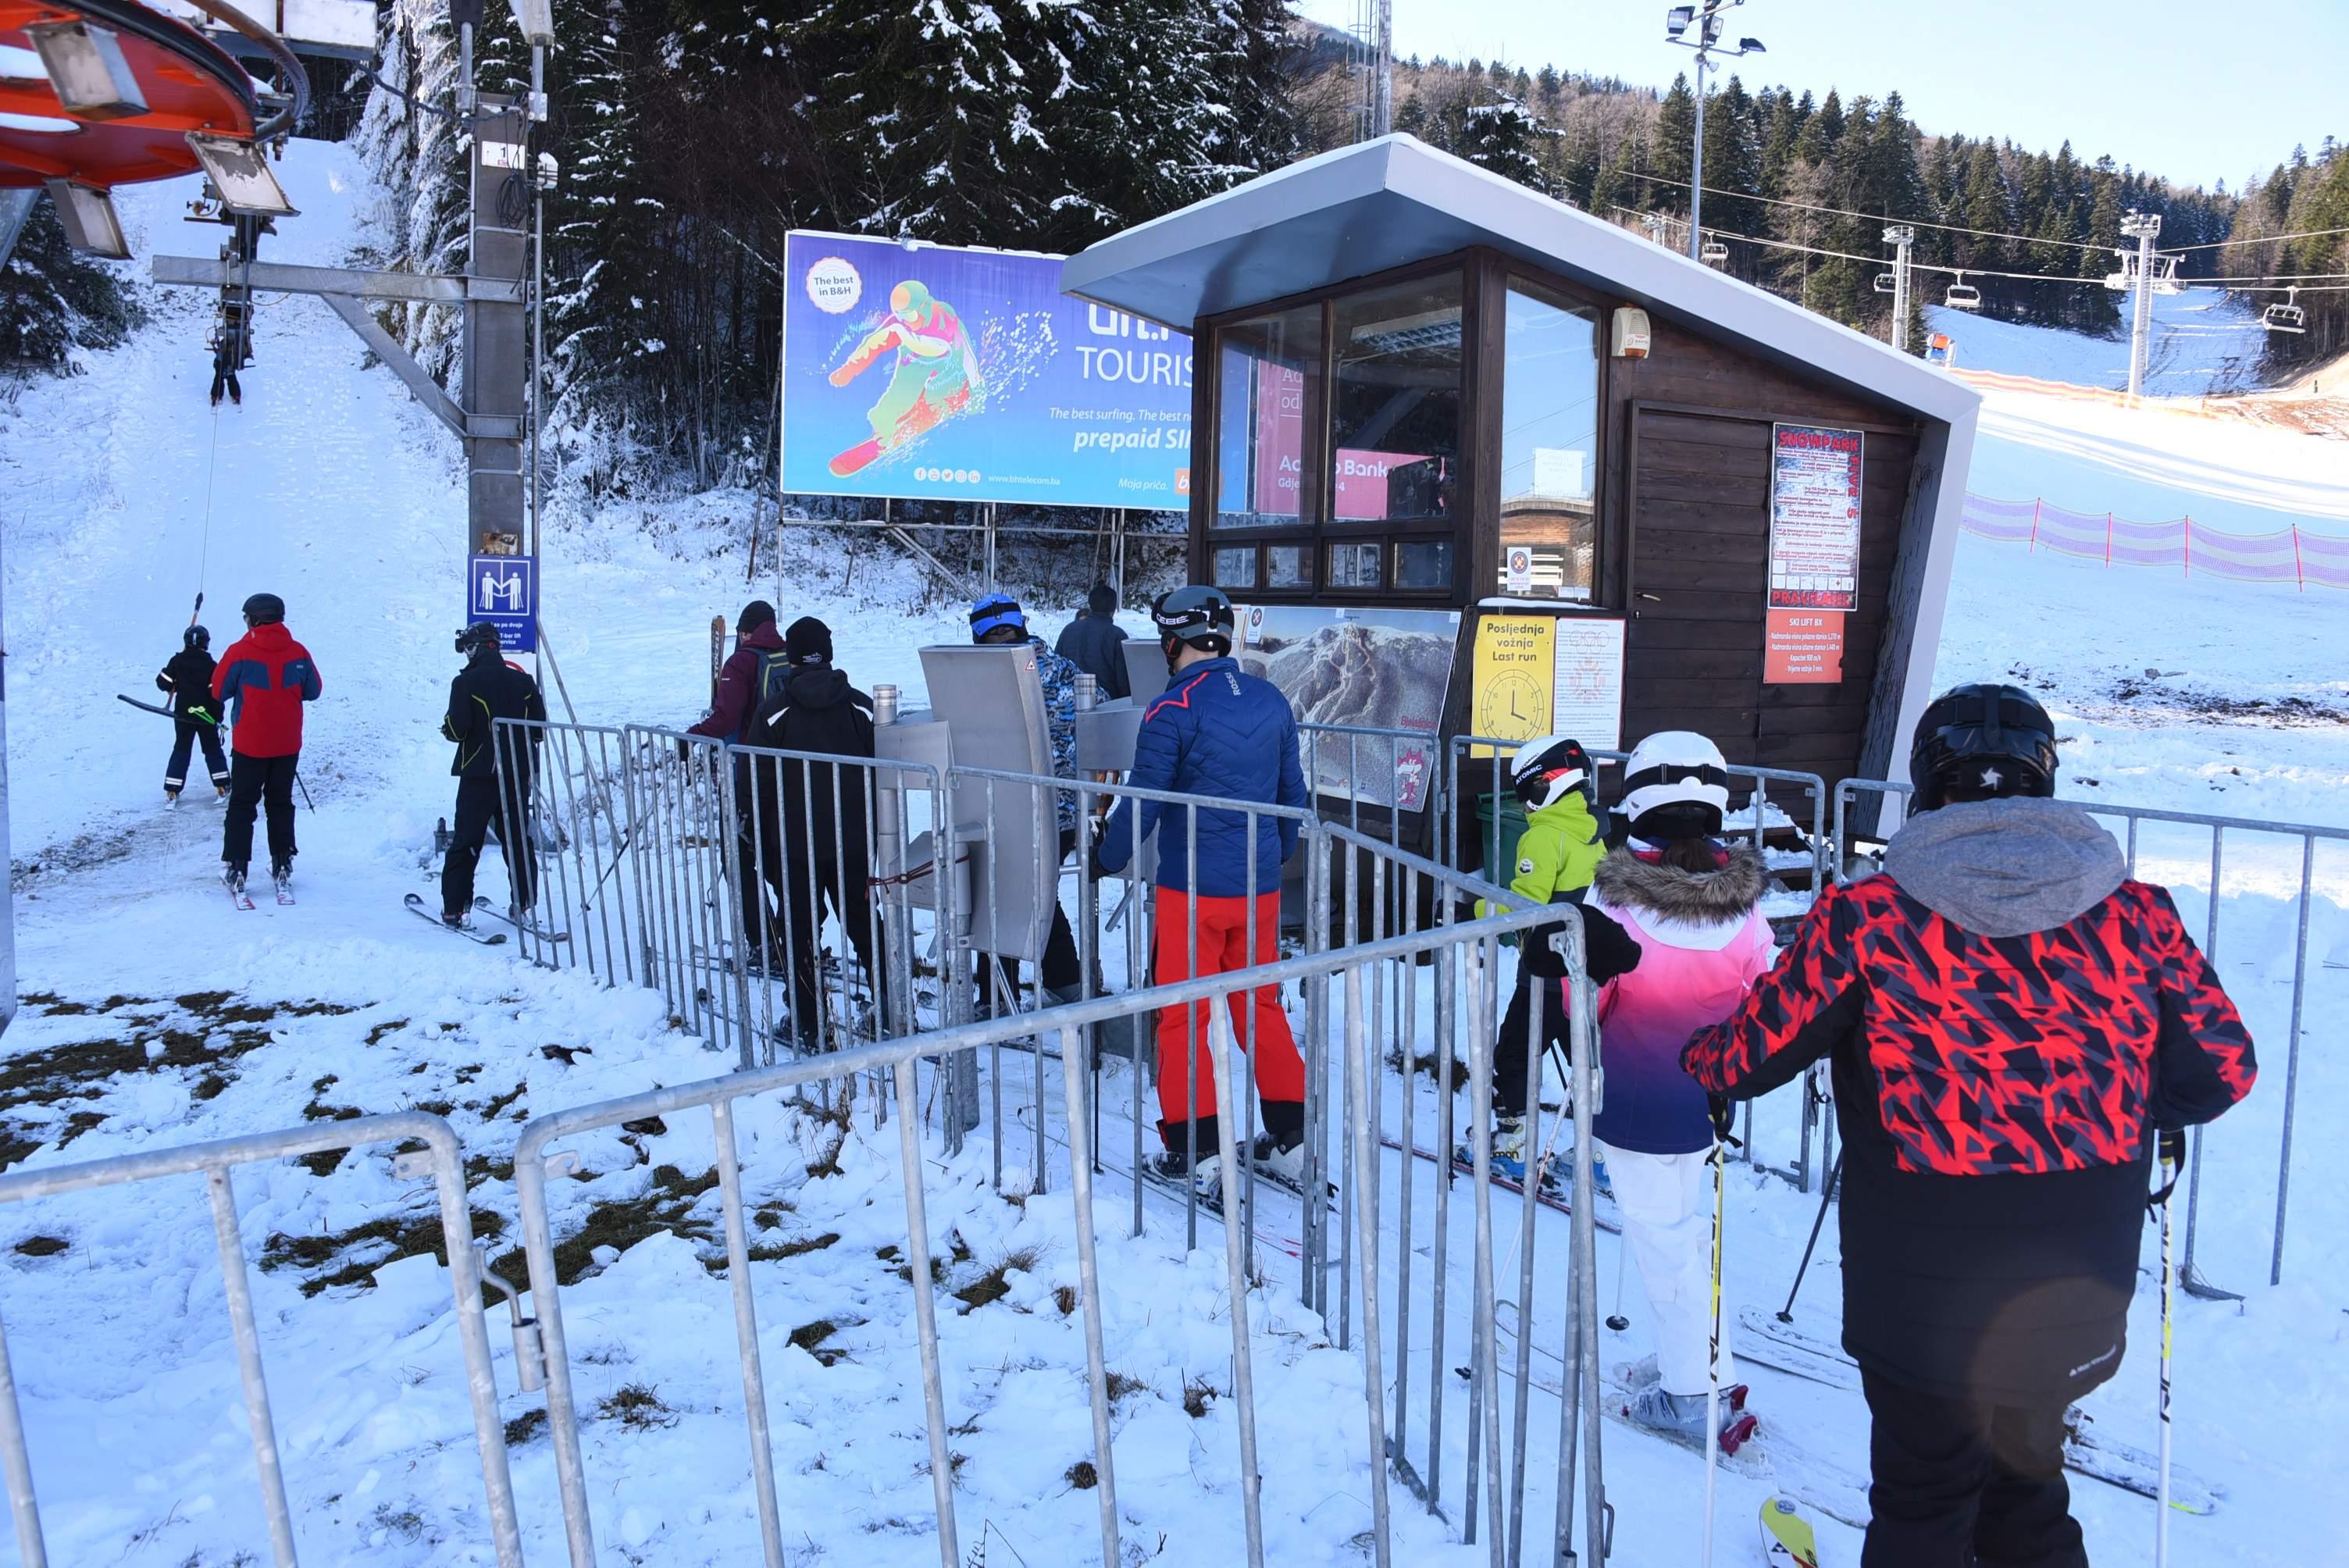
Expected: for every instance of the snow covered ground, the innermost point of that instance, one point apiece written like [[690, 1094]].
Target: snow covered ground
[[333, 490]]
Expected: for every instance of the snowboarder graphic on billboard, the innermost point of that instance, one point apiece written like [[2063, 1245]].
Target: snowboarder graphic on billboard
[[933, 379]]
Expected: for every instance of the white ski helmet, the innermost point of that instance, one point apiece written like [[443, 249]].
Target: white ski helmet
[[1544, 771], [1675, 786]]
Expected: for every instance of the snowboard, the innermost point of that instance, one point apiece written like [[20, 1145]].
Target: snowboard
[[1788, 1539], [1763, 1339], [415, 903], [859, 456]]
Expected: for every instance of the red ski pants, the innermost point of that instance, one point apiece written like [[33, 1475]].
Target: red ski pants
[[1257, 1023]]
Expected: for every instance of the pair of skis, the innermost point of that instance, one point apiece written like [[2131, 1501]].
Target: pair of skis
[[240, 899]]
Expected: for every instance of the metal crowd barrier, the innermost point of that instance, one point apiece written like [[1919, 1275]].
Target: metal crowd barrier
[[1848, 793], [1381, 1001], [1809, 1092], [1405, 774], [446, 1162], [1072, 1023]]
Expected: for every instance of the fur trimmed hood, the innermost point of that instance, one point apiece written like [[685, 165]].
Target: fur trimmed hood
[[1709, 898]]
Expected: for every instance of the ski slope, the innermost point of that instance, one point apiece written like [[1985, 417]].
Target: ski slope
[[329, 487], [2203, 340]]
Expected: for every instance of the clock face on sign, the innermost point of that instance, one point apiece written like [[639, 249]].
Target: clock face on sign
[[1512, 706]]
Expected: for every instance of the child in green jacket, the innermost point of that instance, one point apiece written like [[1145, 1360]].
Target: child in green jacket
[[1557, 857]]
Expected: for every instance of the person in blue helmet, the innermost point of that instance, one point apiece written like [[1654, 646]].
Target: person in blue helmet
[[997, 621]]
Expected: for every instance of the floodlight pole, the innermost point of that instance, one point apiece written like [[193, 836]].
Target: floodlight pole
[[1704, 19], [1900, 239], [2144, 228], [1696, 157]]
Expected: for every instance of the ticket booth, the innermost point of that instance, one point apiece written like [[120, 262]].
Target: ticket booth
[[1474, 462]]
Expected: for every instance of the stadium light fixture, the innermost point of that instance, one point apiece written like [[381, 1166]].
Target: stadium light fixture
[[1677, 20], [86, 67], [1706, 43], [536, 20]]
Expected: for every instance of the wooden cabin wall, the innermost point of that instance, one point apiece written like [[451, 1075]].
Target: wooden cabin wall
[[1685, 549]]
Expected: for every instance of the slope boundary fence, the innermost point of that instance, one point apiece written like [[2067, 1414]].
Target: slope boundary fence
[[2293, 554]]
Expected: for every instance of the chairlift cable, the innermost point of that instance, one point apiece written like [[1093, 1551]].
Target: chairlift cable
[[2265, 239], [2190, 283]]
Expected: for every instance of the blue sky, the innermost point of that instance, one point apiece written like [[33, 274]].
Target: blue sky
[[2195, 92]]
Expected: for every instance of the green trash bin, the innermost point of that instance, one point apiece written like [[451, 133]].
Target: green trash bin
[[1499, 868]]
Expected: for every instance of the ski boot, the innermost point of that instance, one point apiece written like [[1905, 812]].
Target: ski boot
[[172, 794], [1279, 1161], [281, 877], [1509, 1141], [460, 921], [232, 876], [1173, 1167], [1681, 1417]]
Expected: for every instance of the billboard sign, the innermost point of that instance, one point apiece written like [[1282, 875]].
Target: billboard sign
[[947, 372], [503, 591]]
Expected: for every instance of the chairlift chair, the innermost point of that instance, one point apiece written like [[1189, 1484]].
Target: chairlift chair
[[2124, 280], [1713, 254], [1884, 283], [1964, 295], [2165, 276], [2286, 317]]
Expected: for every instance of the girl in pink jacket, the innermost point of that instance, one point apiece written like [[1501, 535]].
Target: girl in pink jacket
[[1690, 903]]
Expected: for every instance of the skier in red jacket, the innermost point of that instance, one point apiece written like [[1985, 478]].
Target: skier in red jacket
[[2012, 1021], [267, 677]]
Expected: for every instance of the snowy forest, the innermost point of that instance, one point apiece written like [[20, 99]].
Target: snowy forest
[[695, 133]]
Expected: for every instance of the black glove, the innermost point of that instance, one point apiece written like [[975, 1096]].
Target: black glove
[[1094, 868], [1723, 1116]]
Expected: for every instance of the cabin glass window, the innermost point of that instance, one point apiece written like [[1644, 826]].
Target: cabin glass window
[[1396, 373], [1288, 566], [1267, 371], [1354, 565], [1550, 446], [1236, 567]]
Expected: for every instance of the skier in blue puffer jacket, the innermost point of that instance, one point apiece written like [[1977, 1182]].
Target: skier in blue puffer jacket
[[1218, 732]]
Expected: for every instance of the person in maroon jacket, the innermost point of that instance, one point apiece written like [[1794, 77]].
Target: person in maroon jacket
[[266, 676], [754, 671], [2011, 1023]]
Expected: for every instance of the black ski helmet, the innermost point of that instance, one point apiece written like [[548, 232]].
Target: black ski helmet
[[265, 610], [1196, 614], [1545, 770], [1981, 741], [195, 637], [481, 638]]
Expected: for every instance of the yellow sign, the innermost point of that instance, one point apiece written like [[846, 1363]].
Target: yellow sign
[[1510, 685]]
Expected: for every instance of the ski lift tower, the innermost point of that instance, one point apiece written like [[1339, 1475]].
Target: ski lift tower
[[1704, 20], [493, 411], [2144, 228], [1900, 239]]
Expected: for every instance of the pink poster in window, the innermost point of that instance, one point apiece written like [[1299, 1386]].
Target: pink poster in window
[[1364, 483], [1280, 438]]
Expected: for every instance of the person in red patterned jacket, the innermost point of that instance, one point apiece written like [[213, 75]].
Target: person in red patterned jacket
[[2012, 1021]]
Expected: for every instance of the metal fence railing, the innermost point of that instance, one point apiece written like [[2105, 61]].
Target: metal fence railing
[[1073, 1026], [441, 1158], [2192, 846], [1798, 1112]]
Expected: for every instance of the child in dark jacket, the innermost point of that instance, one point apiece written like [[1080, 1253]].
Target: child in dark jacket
[[188, 677]]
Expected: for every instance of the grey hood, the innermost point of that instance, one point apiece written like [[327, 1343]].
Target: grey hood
[[2008, 867]]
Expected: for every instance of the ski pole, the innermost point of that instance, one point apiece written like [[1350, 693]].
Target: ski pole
[[1615, 1319], [306, 793], [2171, 1144], [1786, 1313], [1712, 1349]]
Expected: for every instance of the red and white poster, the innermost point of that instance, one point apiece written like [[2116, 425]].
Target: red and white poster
[[1815, 475], [1803, 647]]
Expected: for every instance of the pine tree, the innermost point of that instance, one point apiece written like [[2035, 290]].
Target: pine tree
[[1503, 137], [1674, 150], [54, 301]]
